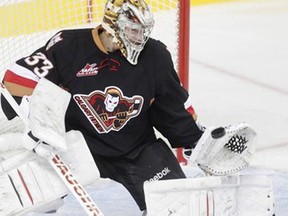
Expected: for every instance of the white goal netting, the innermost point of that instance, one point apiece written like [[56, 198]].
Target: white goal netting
[[27, 24]]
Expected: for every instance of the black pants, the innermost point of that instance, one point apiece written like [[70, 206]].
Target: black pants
[[155, 162]]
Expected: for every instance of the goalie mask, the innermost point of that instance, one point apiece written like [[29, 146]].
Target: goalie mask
[[130, 23]]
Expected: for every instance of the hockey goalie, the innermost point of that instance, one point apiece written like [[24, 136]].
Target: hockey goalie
[[119, 85]]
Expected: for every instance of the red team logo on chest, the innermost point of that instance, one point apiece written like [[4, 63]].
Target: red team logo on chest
[[109, 110]]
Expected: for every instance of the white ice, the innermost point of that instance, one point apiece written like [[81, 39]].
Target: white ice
[[238, 72]]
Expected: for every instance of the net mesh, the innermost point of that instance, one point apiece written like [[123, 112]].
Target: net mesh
[[28, 24]]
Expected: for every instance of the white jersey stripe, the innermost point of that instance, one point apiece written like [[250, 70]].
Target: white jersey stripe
[[23, 72], [188, 103]]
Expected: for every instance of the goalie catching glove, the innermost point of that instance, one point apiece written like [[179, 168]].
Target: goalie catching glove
[[223, 151]]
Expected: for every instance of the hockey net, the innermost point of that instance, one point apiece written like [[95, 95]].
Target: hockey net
[[27, 25]]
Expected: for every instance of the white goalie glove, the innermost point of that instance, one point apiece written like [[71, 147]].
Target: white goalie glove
[[48, 105], [223, 151], [46, 127]]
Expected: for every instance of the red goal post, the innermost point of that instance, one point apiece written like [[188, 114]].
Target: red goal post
[[28, 24], [183, 58]]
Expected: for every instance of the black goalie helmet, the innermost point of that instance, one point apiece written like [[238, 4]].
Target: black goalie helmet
[[130, 23]]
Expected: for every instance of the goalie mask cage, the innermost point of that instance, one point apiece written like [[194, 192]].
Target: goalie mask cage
[[26, 25]]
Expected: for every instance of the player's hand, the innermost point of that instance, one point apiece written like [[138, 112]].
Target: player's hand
[[120, 119], [104, 116], [121, 115]]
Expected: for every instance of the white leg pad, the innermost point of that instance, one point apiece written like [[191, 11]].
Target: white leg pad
[[28, 183], [210, 196], [29, 186]]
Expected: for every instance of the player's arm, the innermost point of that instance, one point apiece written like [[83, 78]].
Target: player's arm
[[172, 111], [22, 77], [17, 89], [20, 80], [20, 94]]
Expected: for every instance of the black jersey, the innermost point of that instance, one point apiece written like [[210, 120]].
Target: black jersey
[[114, 104]]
